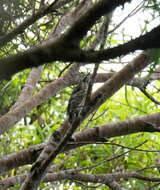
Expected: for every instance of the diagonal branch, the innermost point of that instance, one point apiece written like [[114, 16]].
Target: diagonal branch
[[52, 51], [76, 33], [8, 120]]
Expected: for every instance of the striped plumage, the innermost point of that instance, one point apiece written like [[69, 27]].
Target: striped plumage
[[78, 99]]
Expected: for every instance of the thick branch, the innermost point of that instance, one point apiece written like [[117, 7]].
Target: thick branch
[[98, 178], [117, 81], [76, 33], [29, 86], [149, 123], [126, 127], [52, 51], [8, 120]]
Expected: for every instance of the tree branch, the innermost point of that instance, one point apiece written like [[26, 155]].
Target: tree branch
[[52, 51], [30, 20]]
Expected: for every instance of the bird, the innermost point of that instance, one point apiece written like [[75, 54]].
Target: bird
[[78, 99]]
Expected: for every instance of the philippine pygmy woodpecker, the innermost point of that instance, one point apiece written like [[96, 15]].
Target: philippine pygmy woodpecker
[[78, 99]]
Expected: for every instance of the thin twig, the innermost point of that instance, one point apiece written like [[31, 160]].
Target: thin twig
[[66, 67], [149, 96], [109, 159], [132, 13]]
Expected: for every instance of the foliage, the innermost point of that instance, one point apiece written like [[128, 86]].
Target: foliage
[[38, 125]]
